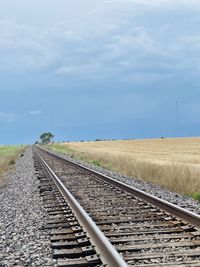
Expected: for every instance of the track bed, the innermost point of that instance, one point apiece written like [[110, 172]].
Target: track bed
[[142, 233]]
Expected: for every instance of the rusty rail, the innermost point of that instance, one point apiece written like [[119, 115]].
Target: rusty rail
[[109, 253]]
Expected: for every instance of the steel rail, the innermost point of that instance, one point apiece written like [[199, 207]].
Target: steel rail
[[109, 253], [183, 214]]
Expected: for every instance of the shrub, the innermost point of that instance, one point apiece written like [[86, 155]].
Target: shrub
[[11, 162], [195, 195], [96, 162]]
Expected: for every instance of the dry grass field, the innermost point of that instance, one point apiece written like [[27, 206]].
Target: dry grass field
[[172, 163], [8, 156]]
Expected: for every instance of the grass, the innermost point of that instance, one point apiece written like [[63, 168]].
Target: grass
[[60, 148], [171, 163], [195, 195], [96, 162], [8, 155]]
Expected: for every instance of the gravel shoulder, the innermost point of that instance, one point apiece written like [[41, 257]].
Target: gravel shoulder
[[23, 242], [173, 197]]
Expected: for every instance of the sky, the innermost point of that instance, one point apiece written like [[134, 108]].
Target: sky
[[109, 69]]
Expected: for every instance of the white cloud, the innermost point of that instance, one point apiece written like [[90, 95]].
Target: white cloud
[[7, 116], [80, 69], [109, 42], [146, 78], [23, 47], [190, 41], [159, 3], [35, 112]]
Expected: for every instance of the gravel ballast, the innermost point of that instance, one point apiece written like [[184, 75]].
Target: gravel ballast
[[172, 197], [23, 242]]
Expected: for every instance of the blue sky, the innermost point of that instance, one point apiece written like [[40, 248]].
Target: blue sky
[[86, 69]]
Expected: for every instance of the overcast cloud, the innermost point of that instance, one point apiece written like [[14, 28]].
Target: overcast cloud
[[133, 49]]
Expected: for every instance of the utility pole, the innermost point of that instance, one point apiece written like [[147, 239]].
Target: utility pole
[[177, 118]]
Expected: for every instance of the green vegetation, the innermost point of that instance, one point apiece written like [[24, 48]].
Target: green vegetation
[[195, 195], [6, 151], [96, 162], [60, 148], [8, 155], [11, 162], [46, 138]]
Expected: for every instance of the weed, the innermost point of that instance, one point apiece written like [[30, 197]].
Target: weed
[[96, 162], [195, 195], [11, 162]]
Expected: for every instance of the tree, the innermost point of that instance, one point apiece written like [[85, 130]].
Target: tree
[[46, 137]]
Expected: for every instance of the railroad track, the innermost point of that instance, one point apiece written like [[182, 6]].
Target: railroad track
[[143, 230]]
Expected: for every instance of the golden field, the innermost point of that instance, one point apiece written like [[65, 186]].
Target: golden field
[[172, 163]]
